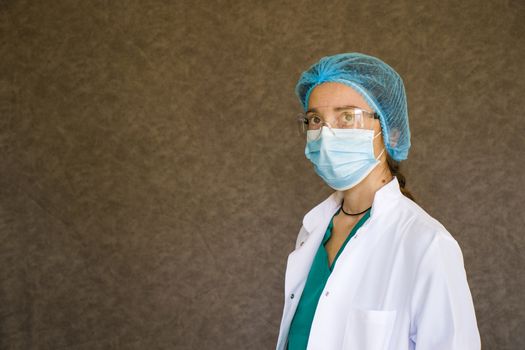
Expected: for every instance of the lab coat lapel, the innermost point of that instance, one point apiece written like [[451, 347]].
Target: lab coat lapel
[[300, 260]]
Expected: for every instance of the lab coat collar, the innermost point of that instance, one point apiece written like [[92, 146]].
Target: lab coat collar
[[384, 198]]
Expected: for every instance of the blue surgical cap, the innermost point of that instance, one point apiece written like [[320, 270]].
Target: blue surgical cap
[[379, 84]]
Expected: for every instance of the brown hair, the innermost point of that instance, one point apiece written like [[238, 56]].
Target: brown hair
[[394, 169]]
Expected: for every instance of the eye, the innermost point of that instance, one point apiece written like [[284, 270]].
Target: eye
[[348, 118], [314, 120]]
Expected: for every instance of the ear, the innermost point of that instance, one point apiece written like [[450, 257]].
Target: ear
[[394, 137]]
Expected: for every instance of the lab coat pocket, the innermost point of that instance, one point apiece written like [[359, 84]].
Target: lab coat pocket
[[368, 329]]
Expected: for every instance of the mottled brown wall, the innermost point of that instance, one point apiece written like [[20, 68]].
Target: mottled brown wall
[[152, 184]]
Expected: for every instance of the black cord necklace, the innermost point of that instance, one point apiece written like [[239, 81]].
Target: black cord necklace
[[364, 211]]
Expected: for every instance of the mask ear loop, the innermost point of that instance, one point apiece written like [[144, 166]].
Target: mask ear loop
[[379, 156]]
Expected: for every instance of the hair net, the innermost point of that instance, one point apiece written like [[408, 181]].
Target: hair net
[[377, 82]]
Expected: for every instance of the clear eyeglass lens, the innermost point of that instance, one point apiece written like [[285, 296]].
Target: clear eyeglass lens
[[302, 123], [353, 119]]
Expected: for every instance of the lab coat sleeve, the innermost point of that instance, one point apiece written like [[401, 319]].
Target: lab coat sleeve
[[442, 310]]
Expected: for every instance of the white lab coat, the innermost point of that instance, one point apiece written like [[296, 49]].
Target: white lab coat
[[400, 282]]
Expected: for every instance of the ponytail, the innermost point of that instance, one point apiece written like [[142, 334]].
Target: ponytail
[[394, 169]]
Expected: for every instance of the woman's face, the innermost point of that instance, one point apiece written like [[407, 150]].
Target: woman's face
[[325, 97]]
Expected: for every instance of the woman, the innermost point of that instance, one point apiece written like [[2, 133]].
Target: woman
[[371, 269]]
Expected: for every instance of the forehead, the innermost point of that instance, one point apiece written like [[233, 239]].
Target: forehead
[[336, 94]]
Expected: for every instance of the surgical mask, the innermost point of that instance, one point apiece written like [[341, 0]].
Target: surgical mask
[[342, 157]]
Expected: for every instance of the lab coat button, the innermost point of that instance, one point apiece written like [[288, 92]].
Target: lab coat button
[[291, 296], [327, 292], [301, 243]]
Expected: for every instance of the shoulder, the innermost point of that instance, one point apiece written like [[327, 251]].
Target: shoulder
[[418, 224], [425, 237]]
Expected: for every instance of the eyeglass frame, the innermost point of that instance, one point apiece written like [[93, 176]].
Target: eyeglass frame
[[302, 119]]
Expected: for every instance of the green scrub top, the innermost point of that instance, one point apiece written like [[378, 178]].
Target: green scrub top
[[315, 283]]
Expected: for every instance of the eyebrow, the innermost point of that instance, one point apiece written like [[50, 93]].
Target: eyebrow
[[336, 109]]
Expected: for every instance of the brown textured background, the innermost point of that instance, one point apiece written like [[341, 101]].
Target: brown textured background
[[152, 184]]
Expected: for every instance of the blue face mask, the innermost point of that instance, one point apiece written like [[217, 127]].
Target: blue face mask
[[342, 159]]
